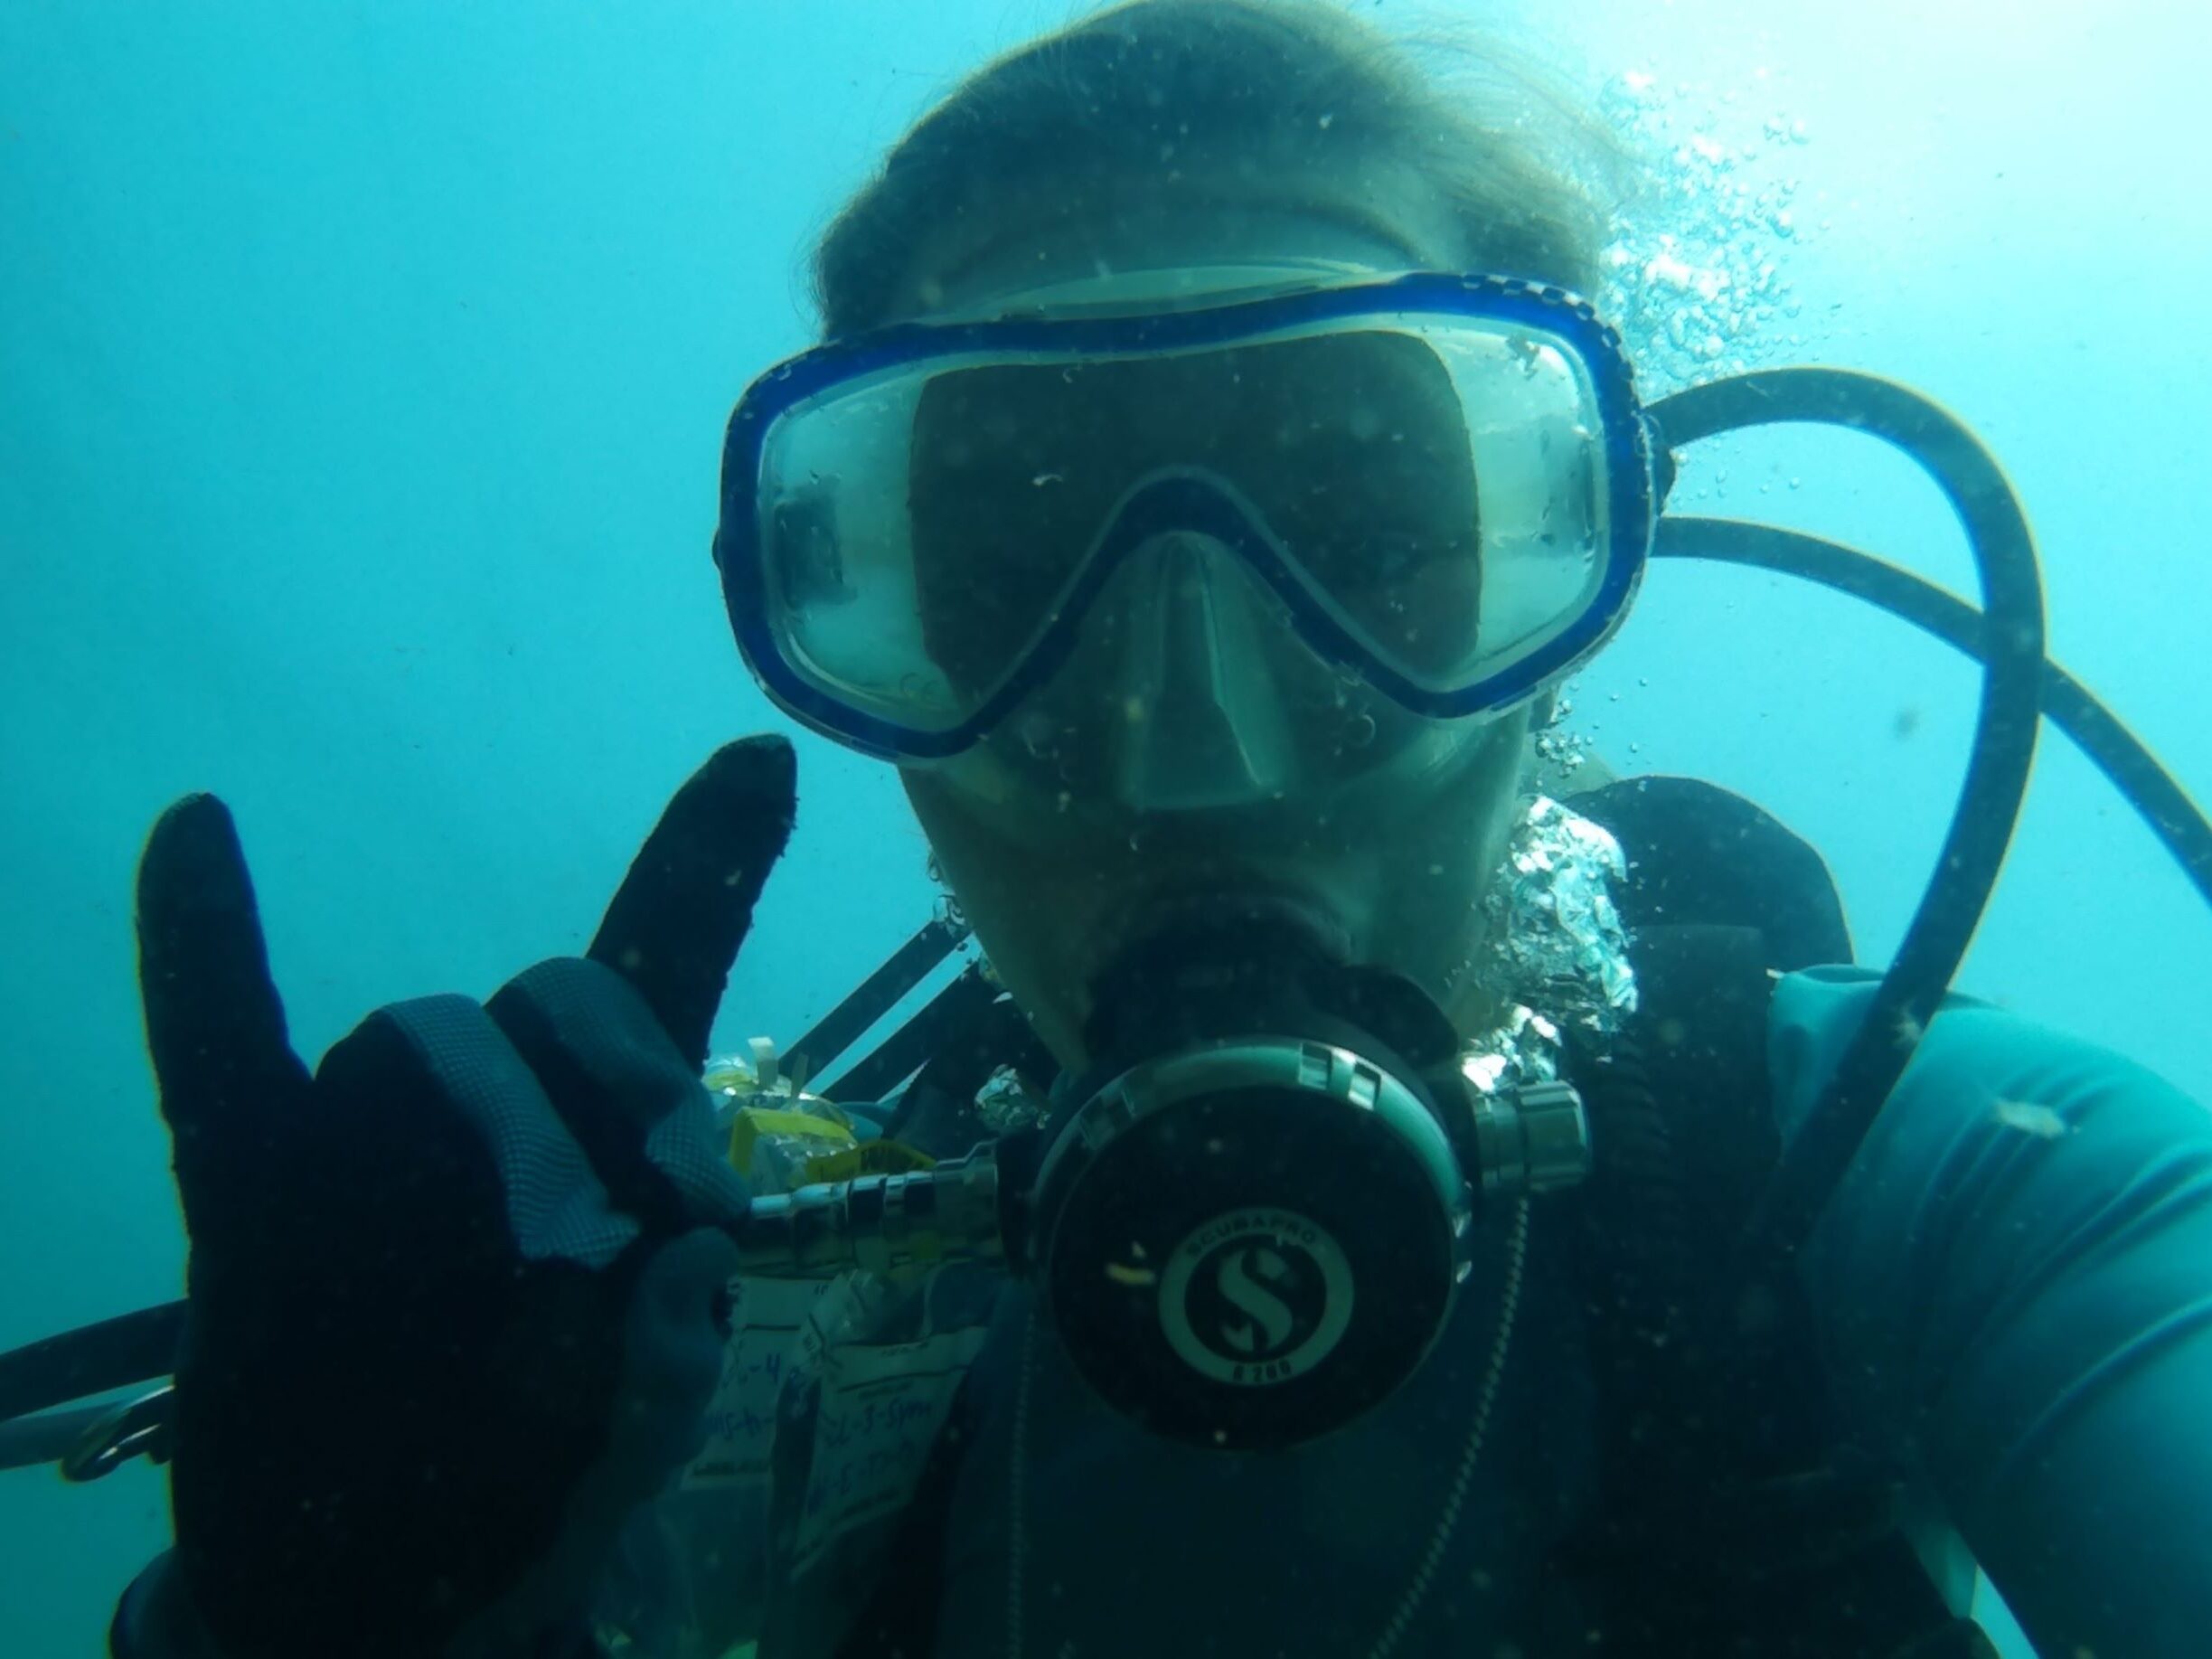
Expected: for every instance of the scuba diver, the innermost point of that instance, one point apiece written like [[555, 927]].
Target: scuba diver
[[1368, 1204]]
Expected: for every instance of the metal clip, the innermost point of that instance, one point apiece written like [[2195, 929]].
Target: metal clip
[[136, 1428], [1535, 1138]]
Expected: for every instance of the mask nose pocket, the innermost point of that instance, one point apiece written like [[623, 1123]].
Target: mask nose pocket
[[1203, 721]]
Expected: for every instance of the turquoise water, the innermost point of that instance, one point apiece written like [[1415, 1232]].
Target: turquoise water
[[362, 379]]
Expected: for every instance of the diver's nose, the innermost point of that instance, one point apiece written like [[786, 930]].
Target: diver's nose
[[1203, 718]]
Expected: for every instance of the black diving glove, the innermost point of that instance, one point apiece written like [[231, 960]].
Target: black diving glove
[[458, 1300]]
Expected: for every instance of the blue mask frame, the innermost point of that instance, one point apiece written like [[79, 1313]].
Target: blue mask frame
[[1189, 501]]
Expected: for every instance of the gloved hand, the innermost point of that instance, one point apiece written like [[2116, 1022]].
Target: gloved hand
[[457, 1301]]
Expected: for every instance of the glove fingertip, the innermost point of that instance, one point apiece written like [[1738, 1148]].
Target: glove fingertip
[[676, 922], [748, 796], [215, 1022], [764, 764], [193, 850]]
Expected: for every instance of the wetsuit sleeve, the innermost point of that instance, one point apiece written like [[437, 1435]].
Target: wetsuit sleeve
[[2014, 1286]]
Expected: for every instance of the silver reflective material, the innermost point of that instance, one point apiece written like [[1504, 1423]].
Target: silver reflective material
[[1563, 751], [1560, 948], [1005, 1103], [1535, 1138], [875, 1224]]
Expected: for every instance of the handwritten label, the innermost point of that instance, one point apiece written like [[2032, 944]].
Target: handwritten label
[[881, 1408], [771, 1317]]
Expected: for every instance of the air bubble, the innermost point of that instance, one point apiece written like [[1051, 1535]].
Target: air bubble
[[1712, 219]]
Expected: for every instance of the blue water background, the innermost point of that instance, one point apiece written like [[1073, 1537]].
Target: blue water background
[[362, 375]]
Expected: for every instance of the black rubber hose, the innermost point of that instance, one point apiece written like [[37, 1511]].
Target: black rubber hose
[[1996, 774], [2122, 757], [98, 1359], [28, 1441]]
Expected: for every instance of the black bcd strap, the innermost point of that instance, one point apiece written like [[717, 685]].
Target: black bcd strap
[[1733, 1517]]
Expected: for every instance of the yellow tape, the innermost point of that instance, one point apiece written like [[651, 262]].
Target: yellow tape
[[752, 1122]]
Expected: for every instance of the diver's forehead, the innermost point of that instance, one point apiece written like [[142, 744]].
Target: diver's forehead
[[1383, 219]]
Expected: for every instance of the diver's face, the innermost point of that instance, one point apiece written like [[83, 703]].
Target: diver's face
[[1192, 759]]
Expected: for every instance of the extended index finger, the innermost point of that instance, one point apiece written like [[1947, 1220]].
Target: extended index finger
[[675, 925], [214, 1022]]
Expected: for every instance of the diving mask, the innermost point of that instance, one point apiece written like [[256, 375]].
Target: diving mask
[[1445, 481]]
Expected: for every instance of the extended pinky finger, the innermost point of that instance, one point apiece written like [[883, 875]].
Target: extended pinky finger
[[214, 1022]]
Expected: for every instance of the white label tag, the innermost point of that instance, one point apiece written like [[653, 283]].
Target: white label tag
[[881, 1408], [770, 1317]]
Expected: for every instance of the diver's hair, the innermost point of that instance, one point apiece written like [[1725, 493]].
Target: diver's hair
[[1526, 170]]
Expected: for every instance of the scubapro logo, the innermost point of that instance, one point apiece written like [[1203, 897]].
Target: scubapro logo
[[1256, 1297]]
